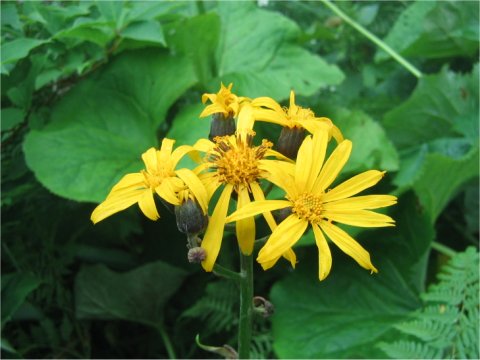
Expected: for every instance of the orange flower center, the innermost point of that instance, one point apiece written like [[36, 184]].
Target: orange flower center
[[308, 207], [236, 159]]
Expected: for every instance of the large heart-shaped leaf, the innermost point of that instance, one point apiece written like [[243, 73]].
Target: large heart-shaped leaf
[[348, 313], [102, 126]]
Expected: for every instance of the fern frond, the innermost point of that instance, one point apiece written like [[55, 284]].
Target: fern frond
[[447, 326]]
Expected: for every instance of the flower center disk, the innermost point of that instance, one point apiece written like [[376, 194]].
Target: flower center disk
[[308, 207]]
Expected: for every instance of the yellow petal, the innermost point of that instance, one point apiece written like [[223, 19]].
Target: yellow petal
[[348, 245], [212, 240], [245, 118], [245, 227], [283, 237], [213, 109], [315, 124], [333, 166], [324, 254], [310, 160], [204, 145], [167, 191], [210, 182], [281, 176], [149, 157], [361, 202], [337, 134], [211, 97], [259, 196], [147, 205], [270, 116], [179, 153], [268, 103], [363, 218], [258, 207], [130, 181], [195, 186], [116, 202], [165, 152], [290, 256], [304, 160], [354, 185]]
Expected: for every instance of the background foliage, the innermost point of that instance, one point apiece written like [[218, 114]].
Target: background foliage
[[88, 86]]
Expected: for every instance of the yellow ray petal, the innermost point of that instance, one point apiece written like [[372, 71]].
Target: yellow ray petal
[[195, 186], [258, 196], [270, 116], [312, 161], [211, 97], [179, 153], [204, 145], [268, 103], [258, 207], [324, 254], [130, 181], [354, 185], [149, 157], [348, 245], [281, 176], [210, 182], [245, 118], [213, 109], [304, 163], [245, 227], [147, 205], [290, 256], [212, 240], [283, 237], [315, 124], [333, 166], [117, 202], [165, 152], [167, 191], [361, 202], [363, 218]]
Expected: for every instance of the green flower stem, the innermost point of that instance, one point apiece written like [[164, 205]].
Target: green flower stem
[[246, 306], [373, 38], [226, 273], [445, 250], [166, 342]]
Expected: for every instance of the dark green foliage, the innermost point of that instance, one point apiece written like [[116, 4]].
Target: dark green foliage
[[447, 324], [87, 86]]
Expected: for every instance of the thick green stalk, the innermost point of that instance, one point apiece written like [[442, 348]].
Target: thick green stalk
[[400, 59], [166, 342], [246, 306], [445, 250]]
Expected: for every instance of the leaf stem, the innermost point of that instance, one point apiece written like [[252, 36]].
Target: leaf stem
[[167, 342], [445, 250], [226, 273], [381, 44], [246, 306]]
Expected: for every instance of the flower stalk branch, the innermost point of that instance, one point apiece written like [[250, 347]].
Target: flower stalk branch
[[246, 306], [381, 44]]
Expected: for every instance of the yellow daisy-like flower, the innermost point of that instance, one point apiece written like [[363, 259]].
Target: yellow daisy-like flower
[[311, 203], [294, 117], [159, 176], [224, 102], [234, 162]]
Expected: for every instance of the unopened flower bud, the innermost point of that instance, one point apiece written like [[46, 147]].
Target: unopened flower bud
[[221, 126], [190, 217], [289, 141], [263, 307], [196, 255]]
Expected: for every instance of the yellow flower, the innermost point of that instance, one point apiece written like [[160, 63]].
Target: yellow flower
[[159, 176], [224, 102], [293, 117], [234, 162], [311, 203]]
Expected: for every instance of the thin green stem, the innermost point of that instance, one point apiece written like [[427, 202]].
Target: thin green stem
[[246, 306], [166, 342], [226, 273], [400, 59], [445, 250]]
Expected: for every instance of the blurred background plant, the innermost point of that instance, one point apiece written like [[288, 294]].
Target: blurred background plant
[[88, 86]]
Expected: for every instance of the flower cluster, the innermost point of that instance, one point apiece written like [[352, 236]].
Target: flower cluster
[[233, 165]]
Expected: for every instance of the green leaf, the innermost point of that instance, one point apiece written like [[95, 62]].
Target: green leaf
[[11, 117], [266, 61], [203, 31], [139, 295], [99, 130], [113, 12], [15, 289], [18, 49], [435, 30], [446, 103], [150, 31], [437, 185], [187, 127], [9, 16], [89, 30], [348, 313]]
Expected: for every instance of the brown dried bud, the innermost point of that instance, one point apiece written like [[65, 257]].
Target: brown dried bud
[[263, 307], [221, 126], [196, 255], [289, 141]]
